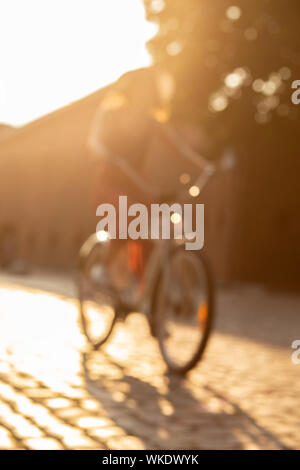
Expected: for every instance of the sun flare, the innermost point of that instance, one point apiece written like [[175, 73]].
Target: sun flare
[[59, 51]]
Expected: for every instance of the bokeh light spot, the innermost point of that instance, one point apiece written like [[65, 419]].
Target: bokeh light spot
[[233, 13]]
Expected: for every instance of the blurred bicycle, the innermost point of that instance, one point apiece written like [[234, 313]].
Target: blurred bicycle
[[176, 291]]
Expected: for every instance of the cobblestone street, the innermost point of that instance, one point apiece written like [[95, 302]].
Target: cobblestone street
[[245, 394]]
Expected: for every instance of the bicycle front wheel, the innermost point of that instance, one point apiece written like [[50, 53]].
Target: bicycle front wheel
[[183, 310], [96, 303]]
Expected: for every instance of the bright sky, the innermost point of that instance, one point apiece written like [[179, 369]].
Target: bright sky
[[53, 52]]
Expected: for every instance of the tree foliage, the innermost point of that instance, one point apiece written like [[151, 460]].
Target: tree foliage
[[233, 61]]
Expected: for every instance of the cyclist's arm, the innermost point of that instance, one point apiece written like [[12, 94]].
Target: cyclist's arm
[[181, 146]]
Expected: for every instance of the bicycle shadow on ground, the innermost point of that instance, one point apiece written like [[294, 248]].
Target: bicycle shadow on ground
[[169, 415]]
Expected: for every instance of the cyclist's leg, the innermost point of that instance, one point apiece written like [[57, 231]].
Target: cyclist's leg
[[112, 184]]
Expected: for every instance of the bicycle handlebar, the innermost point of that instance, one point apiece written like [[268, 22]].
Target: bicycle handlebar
[[224, 163]]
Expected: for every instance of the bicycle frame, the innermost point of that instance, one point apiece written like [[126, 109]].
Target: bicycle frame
[[157, 261]]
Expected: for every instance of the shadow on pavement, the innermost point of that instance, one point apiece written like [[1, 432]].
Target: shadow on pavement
[[172, 418]]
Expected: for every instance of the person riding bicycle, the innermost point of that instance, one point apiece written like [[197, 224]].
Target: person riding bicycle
[[142, 156]]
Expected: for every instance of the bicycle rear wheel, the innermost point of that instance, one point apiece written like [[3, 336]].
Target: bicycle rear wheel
[[183, 310], [97, 303]]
